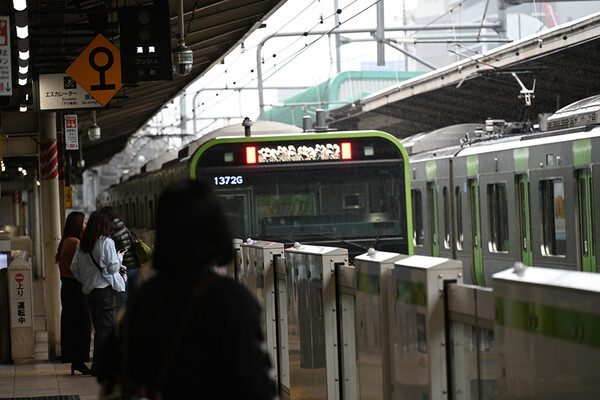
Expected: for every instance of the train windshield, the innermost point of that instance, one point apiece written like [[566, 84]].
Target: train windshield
[[354, 203]]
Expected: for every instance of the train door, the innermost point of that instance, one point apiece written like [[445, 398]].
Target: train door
[[477, 272], [433, 218], [586, 220], [524, 219]]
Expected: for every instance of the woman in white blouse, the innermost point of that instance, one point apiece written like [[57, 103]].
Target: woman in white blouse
[[96, 265]]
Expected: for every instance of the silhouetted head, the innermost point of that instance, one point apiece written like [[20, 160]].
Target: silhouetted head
[[73, 228], [112, 214], [98, 225], [191, 228]]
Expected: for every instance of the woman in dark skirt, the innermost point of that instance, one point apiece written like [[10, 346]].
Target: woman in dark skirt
[[75, 323]]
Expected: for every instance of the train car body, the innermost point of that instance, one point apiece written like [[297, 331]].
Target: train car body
[[282, 184], [503, 198]]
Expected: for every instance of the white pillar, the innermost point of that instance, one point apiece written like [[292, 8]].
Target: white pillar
[[51, 228]]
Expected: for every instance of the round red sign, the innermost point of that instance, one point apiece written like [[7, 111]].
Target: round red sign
[[19, 277]]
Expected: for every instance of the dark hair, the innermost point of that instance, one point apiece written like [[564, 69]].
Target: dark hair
[[98, 225], [112, 214], [73, 228], [191, 228]]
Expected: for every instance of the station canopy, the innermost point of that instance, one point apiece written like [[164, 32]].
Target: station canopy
[[517, 81], [60, 30]]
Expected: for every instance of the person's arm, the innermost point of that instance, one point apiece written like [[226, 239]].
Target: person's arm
[[75, 264], [109, 254]]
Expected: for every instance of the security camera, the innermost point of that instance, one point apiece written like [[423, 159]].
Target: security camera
[[183, 59], [94, 132]]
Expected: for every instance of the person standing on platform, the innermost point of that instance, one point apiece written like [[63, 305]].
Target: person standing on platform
[[121, 235], [75, 325], [188, 332], [96, 265]]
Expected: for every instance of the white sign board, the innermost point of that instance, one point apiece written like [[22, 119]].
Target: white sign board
[[21, 314], [5, 69], [60, 91], [71, 136]]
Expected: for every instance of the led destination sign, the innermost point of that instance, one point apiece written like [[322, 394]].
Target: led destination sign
[[291, 153]]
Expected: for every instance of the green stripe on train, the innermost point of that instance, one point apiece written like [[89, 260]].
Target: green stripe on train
[[559, 323], [582, 152], [521, 158], [472, 165], [431, 169]]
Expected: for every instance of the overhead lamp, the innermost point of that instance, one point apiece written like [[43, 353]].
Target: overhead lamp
[[22, 80], [22, 32], [23, 46], [94, 130], [20, 5], [24, 69], [23, 108]]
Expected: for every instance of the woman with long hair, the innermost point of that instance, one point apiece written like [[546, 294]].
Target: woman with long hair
[[188, 332], [75, 327], [95, 262]]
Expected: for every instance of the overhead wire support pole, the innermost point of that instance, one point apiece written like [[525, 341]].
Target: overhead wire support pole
[[372, 32], [380, 34]]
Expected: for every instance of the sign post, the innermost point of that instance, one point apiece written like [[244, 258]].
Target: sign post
[[98, 69]]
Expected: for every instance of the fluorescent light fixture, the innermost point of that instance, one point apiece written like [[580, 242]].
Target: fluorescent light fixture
[[24, 55], [24, 69], [22, 32], [20, 5], [22, 81]]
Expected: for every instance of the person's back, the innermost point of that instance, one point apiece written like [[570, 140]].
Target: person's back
[[220, 354], [188, 333]]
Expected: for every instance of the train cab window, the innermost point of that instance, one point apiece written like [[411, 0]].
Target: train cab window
[[554, 231], [417, 214], [459, 221], [285, 205], [447, 228], [498, 218]]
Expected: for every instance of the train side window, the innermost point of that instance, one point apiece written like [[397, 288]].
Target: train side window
[[554, 230], [447, 211], [459, 220], [133, 221], [417, 214], [498, 217]]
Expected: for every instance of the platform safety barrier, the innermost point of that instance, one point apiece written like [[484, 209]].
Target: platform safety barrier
[[400, 327]]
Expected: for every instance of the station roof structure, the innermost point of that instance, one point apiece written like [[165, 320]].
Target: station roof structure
[[561, 62], [60, 30]]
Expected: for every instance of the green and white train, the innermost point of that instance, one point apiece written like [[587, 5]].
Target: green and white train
[[341, 189], [490, 197]]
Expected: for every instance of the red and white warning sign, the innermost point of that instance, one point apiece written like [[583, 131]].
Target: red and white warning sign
[[71, 133], [5, 69]]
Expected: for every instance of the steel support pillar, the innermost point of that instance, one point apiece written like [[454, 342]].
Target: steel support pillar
[[51, 228]]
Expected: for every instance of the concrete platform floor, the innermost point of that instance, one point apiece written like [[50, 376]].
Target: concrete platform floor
[[44, 377]]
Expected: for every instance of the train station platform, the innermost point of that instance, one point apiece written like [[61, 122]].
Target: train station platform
[[44, 378]]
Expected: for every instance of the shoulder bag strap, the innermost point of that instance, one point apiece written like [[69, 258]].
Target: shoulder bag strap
[[95, 262]]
